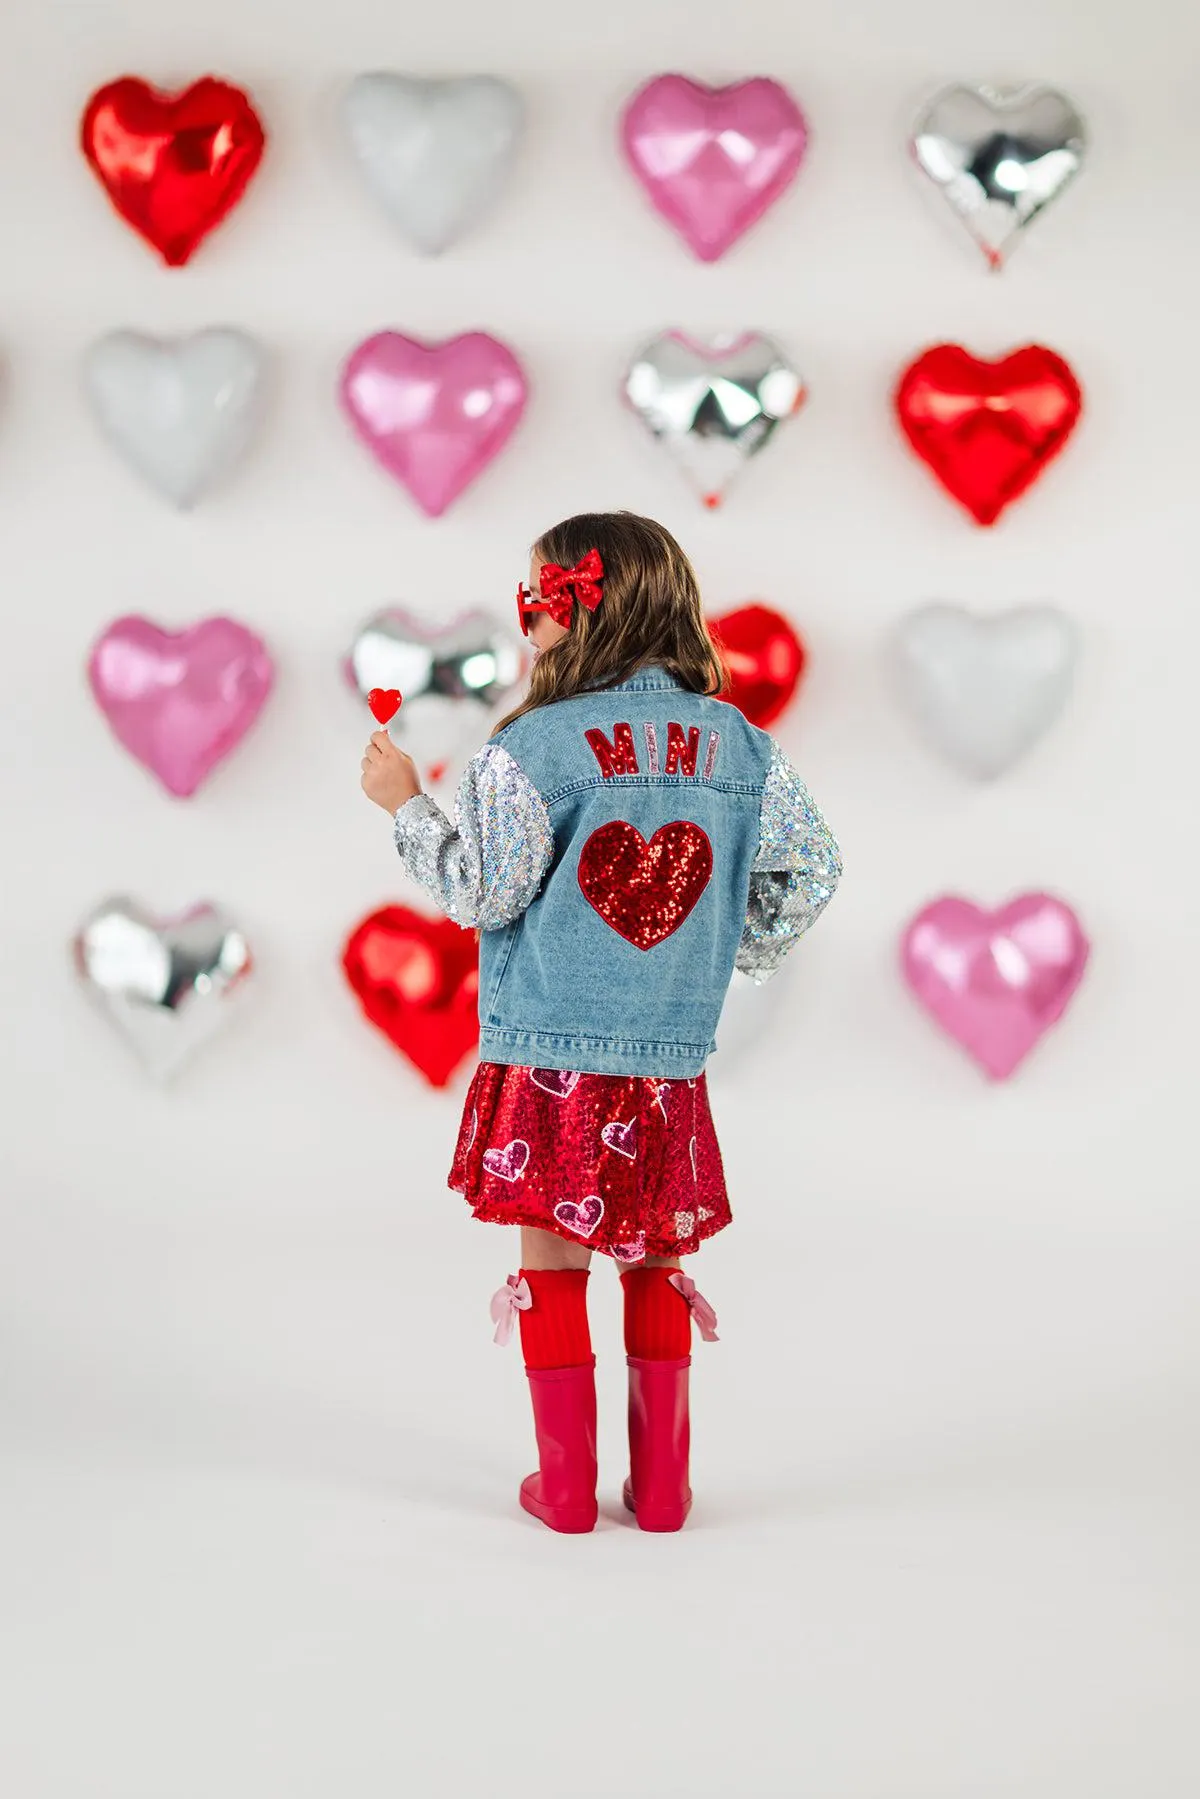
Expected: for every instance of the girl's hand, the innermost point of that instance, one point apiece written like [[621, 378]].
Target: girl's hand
[[389, 777]]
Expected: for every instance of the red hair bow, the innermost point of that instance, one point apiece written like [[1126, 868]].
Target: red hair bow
[[560, 585]]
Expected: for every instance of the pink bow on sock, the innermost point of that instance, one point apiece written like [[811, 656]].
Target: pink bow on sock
[[698, 1306], [513, 1298]]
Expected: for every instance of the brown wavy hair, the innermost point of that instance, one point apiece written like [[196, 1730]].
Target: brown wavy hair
[[651, 613]]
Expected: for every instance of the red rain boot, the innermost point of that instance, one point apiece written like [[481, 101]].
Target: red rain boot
[[657, 1491], [563, 1491]]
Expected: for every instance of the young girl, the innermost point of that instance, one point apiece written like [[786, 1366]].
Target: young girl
[[622, 843]]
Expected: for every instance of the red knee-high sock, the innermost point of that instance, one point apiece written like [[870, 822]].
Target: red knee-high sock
[[658, 1323], [554, 1331]]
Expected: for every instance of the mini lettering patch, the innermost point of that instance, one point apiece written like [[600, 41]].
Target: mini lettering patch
[[620, 757]]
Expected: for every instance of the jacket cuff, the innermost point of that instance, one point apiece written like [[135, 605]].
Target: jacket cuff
[[413, 813]]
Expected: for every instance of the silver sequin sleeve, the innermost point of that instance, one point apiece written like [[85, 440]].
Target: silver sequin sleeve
[[793, 876], [484, 867]]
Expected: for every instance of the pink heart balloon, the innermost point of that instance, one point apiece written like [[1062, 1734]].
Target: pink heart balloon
[[434, 414], [180, 700], [995, 981], [713, 159]]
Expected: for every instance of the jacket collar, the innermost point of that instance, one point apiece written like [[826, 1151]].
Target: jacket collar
[[652, 679]]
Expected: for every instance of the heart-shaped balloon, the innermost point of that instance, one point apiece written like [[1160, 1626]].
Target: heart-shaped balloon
[[988, 429], [713, 160], [417, 980], [712, 406], [173, 165], [995, 981], [167, 984], [178, 411], [434, 415], [999, 155], [764, 659], [180, 701], [434, 154], [453, 677], [985, 689]]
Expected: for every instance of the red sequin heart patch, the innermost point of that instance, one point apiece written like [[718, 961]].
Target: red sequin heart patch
[[173, 164], [417, 980], [988, 429], [645, 890]]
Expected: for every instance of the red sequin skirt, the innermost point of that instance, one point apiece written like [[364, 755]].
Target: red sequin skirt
[[627, 1165]]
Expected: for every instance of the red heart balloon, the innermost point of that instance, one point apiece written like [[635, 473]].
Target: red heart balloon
[[764, 657], [417, 980], [645, 890], [173, 164], [988, 429], [384, 702]]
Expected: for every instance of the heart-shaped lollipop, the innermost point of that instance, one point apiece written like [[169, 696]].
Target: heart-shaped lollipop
[[384, 702]]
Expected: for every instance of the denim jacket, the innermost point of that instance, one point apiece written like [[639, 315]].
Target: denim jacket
[[621, 853]]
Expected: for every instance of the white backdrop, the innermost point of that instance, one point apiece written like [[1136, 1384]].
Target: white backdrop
[[258, 1455]]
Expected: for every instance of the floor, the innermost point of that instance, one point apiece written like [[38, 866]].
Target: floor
[[944, 1542]]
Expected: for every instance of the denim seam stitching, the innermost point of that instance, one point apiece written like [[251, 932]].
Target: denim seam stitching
[[582, 1039], [648, 783]]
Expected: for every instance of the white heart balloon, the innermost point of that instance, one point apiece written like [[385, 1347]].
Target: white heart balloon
[[984, 690], [178, 411], [433, 153]]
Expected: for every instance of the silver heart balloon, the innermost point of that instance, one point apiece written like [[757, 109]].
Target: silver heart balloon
[[713, 406], [179, 411], [434, 154], [166, 983], [453, 677], [983, 690], [999, 155]]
